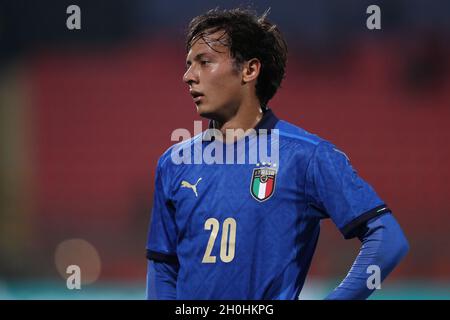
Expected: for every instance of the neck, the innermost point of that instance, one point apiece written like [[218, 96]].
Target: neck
[[246, 117]]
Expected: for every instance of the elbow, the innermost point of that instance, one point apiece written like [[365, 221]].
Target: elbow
[[396, 243], [397, 239]]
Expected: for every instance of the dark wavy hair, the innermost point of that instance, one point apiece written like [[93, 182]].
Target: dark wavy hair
[[247, 36]]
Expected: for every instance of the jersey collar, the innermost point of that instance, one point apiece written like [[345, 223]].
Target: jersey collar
[[268, 121]]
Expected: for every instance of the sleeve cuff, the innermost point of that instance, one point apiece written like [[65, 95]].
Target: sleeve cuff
[[350, 230], [162, 257]]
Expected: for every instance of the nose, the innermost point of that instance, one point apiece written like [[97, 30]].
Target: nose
[[190, 76]]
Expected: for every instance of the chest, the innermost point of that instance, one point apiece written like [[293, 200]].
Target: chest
[[245, 192]]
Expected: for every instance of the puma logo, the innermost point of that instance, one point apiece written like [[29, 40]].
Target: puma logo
[[185, 184]]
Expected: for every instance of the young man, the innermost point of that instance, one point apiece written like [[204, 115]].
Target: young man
[[249, 230]]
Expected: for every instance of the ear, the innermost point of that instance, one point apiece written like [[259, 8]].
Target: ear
[[250, 70]]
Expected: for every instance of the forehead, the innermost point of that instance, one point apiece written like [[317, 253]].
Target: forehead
[[214, 43]]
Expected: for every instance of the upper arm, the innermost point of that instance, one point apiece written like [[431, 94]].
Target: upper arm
[[334, 187]]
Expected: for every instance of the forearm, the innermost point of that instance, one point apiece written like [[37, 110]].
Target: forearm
[[161, 281], [383, 245]]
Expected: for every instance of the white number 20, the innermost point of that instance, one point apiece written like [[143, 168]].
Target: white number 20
[[228, 243]]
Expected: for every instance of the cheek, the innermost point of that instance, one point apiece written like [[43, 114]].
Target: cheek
[[224, 82]]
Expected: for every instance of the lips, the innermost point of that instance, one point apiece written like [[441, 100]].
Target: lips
[[196, 95]]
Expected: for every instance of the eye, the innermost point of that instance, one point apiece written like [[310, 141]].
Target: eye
[[204, 62]]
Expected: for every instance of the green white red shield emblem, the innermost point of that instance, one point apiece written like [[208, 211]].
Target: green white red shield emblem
[[263, 183]]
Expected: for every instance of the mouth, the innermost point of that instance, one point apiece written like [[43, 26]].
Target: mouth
[[196, 95]]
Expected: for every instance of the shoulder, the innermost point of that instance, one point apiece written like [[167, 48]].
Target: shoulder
[[297, 135], [298, 139]]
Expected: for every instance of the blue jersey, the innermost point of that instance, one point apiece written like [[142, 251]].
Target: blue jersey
[[249, 231]]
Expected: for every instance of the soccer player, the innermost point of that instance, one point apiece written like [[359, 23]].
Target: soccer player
[[249, 231]]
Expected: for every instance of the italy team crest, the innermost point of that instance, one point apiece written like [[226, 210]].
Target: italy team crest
[[263, 183]]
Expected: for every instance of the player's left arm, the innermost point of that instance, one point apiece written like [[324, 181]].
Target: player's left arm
[[338, 192], [383, 246]]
